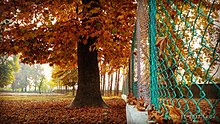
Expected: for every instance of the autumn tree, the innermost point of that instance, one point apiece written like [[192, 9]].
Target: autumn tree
[[70, 33], [67, 77]]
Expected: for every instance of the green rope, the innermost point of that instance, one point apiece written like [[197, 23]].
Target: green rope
[[153, 53]]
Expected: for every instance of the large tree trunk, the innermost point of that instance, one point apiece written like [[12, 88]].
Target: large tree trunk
[[88, 92]]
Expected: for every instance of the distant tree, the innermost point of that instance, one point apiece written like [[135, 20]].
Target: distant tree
[[6, 74], [67, 77], [36, 75], [41, 83], [21, 78], [103, 77], [8, 65], [27, 76], [51, 84], [117, 80]]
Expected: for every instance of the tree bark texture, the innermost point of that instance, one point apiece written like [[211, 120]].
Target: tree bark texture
[[88, 92]]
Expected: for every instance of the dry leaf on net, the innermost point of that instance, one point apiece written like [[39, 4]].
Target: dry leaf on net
[[161, 44], [174, 113], [154, 115], [140, 104], [131, 99]]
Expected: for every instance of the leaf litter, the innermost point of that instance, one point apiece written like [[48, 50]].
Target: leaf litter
[[26, 111]]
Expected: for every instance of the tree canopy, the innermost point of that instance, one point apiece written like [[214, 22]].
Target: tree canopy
[[47, 31]]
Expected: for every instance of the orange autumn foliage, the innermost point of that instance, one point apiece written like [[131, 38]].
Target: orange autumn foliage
[[47, 31]]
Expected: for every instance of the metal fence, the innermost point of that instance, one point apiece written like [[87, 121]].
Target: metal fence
[[182, 49]]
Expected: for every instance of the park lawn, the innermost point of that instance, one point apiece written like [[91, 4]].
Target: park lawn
[[51, 109], [45, 97], [37, 98]]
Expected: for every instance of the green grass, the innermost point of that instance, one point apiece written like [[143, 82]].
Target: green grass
[[45, 97], [111, 97], [37, 98]]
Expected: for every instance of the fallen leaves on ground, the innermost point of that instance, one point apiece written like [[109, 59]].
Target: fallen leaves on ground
[[22, 111], [174, 112], [139, 103], [176, 116]]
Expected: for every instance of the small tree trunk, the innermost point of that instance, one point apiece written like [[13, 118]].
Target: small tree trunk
[[103, 85], [73, 91], [118, 81], [101, 82], [13, 86], [39, 89], [110, 86], [35, 88], [59, 89]]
